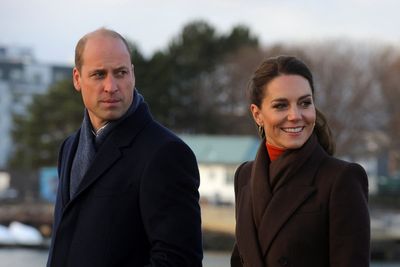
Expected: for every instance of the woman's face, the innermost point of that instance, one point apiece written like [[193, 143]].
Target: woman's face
[[287, 111]]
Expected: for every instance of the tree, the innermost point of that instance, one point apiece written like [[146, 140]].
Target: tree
[[182, 87], [49, 119], [387, 69], [198, 85], [346, 89], [140, 63], [228, 86], [346, 92]]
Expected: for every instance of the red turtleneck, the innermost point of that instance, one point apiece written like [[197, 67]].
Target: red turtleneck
[[273, 151]]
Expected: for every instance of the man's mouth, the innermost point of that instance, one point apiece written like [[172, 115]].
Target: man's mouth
[[110, 100]]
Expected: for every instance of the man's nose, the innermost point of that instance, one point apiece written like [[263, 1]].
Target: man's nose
[[110, 84]]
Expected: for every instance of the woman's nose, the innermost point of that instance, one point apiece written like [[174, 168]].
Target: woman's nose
[[294, 114]]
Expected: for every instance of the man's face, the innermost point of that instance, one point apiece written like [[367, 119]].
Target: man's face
[[106, 79]]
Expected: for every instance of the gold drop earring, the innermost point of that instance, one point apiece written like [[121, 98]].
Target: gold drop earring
[[260, 130]]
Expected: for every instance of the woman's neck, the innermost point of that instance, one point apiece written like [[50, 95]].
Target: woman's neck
[[273, 151]]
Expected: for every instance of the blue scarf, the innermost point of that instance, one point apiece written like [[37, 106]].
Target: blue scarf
[[89, 143]]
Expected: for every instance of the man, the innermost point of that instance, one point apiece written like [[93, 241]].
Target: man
[[128, 189]]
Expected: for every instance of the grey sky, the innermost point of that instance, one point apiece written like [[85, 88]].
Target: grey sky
[[52, 27]]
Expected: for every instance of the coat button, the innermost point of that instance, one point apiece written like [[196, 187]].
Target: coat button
[[283, 261]]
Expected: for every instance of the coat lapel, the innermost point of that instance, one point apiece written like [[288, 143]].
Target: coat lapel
[[67, 157], [284, 203], [246, 233], [110, 152], [103, 160], [287, 199], [260, 187]]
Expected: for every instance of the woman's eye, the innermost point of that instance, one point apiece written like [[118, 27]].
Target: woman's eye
[[279, 106], [306, 103]]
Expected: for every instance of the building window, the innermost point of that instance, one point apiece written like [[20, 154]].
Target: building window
[[59, 76], [230, 175], [16, 75], [211, 174], [37, 78]]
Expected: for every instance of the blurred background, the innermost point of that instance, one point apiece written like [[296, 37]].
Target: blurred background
[[193, 60]]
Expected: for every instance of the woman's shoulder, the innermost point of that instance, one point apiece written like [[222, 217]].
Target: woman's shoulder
[[337, 165], [244, 169], [339, 170], [242, 174]]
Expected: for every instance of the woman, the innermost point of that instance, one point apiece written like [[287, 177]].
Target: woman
[[296, 205]]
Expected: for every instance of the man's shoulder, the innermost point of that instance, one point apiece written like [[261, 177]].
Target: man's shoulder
[[146, 131], [69, 141], [160, 134]]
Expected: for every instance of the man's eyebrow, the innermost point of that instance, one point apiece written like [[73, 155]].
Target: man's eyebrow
[[122, 68], [98, 70]]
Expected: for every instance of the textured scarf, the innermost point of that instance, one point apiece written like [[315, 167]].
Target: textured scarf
[[89, 143], [258, 191], [279, 172]]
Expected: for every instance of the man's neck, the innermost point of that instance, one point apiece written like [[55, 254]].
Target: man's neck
[[99, 130]]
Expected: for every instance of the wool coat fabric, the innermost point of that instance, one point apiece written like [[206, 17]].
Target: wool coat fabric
[[137, 204], [305, 209]]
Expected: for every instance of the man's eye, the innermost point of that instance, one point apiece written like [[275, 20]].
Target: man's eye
[[122, 73], [98, 75]]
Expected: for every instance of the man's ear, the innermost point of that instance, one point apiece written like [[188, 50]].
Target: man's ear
[[133, 75], [76, 77]]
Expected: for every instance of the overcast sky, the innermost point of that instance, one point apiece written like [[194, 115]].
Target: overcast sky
[[52, 27]]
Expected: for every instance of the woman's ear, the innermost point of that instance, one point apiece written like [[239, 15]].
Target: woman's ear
[[256, 112]]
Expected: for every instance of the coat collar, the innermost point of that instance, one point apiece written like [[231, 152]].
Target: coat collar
[[110, 150], [246, 232], [68, 152], [277, 207]]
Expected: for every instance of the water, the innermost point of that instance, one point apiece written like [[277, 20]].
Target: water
[[18, 257]]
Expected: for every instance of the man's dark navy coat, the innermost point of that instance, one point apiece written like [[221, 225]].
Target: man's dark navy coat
[[137, 205]]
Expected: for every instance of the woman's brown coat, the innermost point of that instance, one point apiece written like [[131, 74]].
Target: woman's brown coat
[[319, 217]]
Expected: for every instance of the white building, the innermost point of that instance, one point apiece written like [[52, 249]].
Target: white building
[[218, 157], [20, 79]]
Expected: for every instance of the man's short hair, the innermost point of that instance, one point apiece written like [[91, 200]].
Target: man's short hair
[[80, 46]]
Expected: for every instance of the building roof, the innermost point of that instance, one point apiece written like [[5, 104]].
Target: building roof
[[222, 148]]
